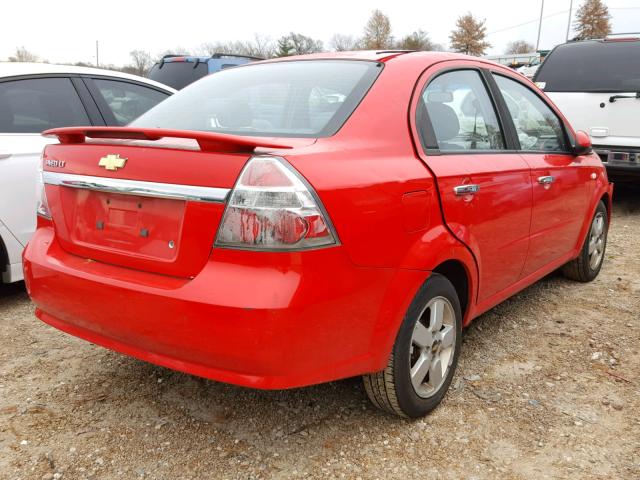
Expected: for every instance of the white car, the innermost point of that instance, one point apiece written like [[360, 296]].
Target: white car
[[529, 70], [596, 85], [35, 97]]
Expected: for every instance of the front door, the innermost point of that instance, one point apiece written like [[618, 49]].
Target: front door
[[561, 181], [485, 189]]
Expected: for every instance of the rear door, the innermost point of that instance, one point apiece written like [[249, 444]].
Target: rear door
[[29, 105], [485, 185], [562, 183]]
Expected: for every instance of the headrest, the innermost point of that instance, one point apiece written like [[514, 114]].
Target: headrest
[[444, 120]]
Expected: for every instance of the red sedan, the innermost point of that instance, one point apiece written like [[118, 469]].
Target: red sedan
[[297, 221]]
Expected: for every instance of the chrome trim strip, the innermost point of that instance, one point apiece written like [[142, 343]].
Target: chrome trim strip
[[135, 187]]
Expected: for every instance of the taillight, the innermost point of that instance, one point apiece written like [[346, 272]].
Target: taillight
[[42, 207], [272, 207]]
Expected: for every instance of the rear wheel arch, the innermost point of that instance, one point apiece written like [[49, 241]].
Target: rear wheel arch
[[606, 199], [456, 272]]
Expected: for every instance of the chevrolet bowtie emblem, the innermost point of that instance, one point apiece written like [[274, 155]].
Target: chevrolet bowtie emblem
[[112, 162]]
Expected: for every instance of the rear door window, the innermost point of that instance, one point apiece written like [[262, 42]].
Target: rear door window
[[592, 66], [460, 112], [37, 104], [127, 101], [539, 129]]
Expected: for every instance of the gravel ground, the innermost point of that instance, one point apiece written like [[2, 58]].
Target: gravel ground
[[548, 386]]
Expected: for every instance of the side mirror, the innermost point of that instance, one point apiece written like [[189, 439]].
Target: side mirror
[[583, 144]]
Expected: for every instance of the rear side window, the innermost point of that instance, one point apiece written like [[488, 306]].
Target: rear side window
[[460, 112], [538, 127], [127, 101], [34, 105], [592, 66], [281, 99], [178, 74]]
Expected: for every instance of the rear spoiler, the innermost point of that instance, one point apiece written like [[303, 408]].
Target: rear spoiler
[[208, 141]]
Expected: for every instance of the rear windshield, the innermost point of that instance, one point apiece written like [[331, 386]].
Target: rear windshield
[[283, 99], [178, 74], [596, 66]]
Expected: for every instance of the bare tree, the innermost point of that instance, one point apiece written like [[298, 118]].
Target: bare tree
[[171, 51], [141, 62], [519, 46], [23, 55], [297, 44], [469, 36], [592, 20], [211, 48], [342, 43], [418, 40], [377, 32], [261, 46]]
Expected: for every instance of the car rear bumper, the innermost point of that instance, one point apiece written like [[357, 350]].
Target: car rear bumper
[[255, 319]]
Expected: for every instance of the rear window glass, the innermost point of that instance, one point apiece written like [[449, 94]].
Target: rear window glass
[[592, 67], [178, 74], [284, 99]]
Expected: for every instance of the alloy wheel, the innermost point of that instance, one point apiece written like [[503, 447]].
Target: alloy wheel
[[432, 347], [596, 241]]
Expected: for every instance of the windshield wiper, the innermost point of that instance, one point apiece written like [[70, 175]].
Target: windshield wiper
[[613, 98]]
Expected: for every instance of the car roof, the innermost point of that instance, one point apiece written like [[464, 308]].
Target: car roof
[[203, 58], [602, 41], [14, 69], [378, 55]]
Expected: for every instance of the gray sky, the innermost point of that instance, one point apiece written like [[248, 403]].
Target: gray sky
[[66, 30]]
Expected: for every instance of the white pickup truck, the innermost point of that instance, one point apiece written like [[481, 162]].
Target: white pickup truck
[[35, 97], [596, 85]]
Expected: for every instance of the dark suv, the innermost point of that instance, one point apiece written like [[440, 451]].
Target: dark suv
[[178, 71]]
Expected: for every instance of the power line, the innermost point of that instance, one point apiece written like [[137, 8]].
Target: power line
[[549, 16], [527, 23]]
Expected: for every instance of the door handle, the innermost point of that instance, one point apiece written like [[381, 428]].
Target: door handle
[[466, 189], [546, 180], [4, 155]]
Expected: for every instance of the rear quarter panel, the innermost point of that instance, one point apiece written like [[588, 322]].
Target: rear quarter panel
[[380, 196]]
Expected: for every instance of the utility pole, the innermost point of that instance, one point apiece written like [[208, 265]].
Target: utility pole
[[540, 26], [569, 21], [97, 58]]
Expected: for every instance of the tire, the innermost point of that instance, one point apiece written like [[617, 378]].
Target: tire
[[4, 260], [587, 265], [419, 341]]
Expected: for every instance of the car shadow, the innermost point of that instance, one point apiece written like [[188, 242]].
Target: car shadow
[[626, 199], [9, 291]]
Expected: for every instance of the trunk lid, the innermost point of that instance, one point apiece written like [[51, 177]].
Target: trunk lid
[[133, 204]]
